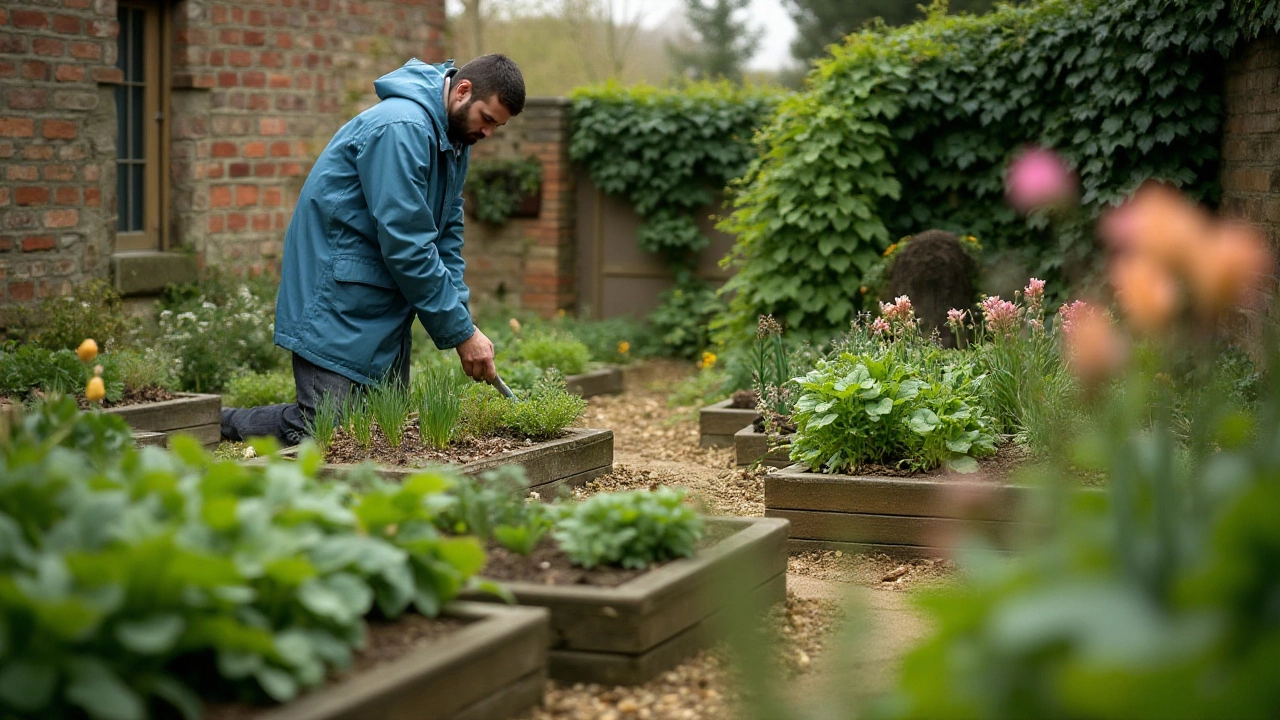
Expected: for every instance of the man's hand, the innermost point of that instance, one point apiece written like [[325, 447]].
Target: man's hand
[[476, 354]]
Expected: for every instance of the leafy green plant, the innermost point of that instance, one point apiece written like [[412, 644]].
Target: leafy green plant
[[939, 107], [128, 580], [856, 410], [390, 403], [492, 508], [92, 310], [31, 367], [440, 390], [142, 368], [683, 318], [496, 187], [547, 410], [214, 343], [631, 529], [257, 389], [325, 422], [555, 350]]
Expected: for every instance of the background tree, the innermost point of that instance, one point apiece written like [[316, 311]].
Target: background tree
[[720, 42], [604, 29], [820, 23]]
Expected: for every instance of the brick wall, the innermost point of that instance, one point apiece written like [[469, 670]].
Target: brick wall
[[56, 141], [528, 262], [257, 89], [1251, 139]]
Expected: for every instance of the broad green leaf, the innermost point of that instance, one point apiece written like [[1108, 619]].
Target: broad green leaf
[[178, 696], [923, 421], [27, 684], [278, 684], [151, 636], [101, 693], [963, 464]]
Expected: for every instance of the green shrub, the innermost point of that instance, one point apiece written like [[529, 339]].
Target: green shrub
[[910, 128], [555, 350], [682, 320], [31, 367], [856, 410], [142, 368], [483, 411], [496, 187], [128, 580], [258, 389], [92, 310], [631, 529], [216, 342], [547, 410]]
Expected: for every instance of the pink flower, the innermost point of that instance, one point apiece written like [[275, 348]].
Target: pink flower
[[955, 317], [1034, 289], [1000, 316], [1038, 177], [879, 327], [1071, 314], [898, 312]]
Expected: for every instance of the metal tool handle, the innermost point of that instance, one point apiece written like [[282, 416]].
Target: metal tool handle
[[502, 387]]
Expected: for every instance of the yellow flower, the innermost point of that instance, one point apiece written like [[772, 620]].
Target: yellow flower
[[560, 312], [708, 360], [515, 325], [95, 390], [890, 250], [624, 347]]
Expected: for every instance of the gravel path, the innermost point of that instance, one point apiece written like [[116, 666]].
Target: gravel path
[[658, 445]]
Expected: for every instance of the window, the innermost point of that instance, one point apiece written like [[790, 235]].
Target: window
[[142, 131]]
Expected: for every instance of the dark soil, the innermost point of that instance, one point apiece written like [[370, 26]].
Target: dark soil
[[936, 273], [132, 396], [1000, 467], [411, 453], [547, 565], [385, 641], [743, 400]]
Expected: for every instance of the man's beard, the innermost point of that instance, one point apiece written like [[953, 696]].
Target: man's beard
[[459, 127]]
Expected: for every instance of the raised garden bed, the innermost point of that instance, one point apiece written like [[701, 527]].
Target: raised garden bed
[[197, 415], [605, 381], [717, 423], [493, 667], [907, 516], [583, 454], [631, 632], [750, 447]]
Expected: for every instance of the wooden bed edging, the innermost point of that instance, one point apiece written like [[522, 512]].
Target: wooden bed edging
[[195, 414], [718, 422], [605, 381]]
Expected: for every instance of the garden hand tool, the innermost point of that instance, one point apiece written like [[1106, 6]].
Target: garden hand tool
[[502, 387]]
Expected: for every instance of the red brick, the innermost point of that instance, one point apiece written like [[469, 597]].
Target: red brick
[[255, 149], [92, 173], [281, 149], [86, 50], [4, 196], [220, 196], [12, 43], [27, 99], [35, 70], [31, 195], [36, 243], [108, 75], [271, 126], [237, 221], [47, 46], [8, 69], [228, 79], [257, 18], [253, 78], [238, 170], [67, 196], [258, 101], [229, 37], [214, 171], [30, 19], [264, 169], [240, 58], [59, 129], [215, 223], [255, 37], [21, 172], [290, 169], [61, 218], [69, 73], [16, 127], [246, 195], [20, 291], [261, 222], [69, 24], [37, 152], [272, 196], [223, 149], [103, 28], [92, 197], [279, 80], [59, 172]]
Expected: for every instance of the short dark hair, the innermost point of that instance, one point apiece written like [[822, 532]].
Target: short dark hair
[[495, 73]]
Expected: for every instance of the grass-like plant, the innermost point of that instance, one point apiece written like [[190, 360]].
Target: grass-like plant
[[390, 403], [324, 424], [440, 388], [547, 411], [357, 417]]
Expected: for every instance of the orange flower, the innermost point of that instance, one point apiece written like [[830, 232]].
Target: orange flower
[[88, 350], [95, 390], [1094, 350], [1230, 268], [1148, 294], [1160, 224]]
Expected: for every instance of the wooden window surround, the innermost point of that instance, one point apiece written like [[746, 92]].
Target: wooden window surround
[[142, 107]]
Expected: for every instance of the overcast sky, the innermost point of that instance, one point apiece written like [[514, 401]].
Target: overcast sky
[[775, 45]]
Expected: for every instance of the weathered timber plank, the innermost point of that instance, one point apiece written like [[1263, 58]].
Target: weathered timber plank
[[440, 679], [605, 381], [609, 668], [720, 419], [890, 529], [204, 434], [750, 447], [186, 410], [949, 498], [144, 438], [644, 612], [509, 701], [894, 551]]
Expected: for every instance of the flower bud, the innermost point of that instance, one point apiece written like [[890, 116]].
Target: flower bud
[[88, 350]]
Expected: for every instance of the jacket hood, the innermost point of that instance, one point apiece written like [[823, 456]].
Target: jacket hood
[[423, 84]]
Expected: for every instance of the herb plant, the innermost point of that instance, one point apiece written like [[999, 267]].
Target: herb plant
[[129, 579], [324, 424], [357, 417], [482, 411], [390, 403], [440, 391], [30, 367], [631, 529], [547, 410]]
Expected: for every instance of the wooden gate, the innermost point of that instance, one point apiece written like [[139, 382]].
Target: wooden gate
[[616, 277]]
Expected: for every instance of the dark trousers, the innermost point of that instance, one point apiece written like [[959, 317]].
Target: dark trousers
[[289, 422]]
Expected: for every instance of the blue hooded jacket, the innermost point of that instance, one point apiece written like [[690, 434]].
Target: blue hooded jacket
[[376, 236]]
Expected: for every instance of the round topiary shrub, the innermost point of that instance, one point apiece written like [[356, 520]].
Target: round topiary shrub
[[933, 269]]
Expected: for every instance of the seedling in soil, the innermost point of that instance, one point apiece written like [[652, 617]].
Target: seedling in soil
[[441, 392], [359, 418], [390, 404], [324, 424]]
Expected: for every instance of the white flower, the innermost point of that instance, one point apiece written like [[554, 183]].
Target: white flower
[[187, 316], [208, 306]]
